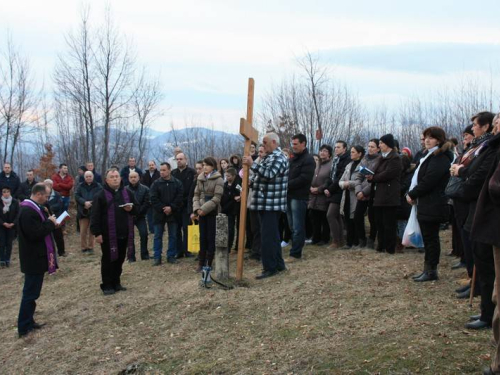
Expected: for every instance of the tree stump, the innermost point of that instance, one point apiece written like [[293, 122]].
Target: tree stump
[[221, 253]]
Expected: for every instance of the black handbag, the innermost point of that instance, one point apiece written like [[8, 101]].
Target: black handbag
[[455, 188]]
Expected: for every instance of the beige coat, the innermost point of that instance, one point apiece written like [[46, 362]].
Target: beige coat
[[321, 180], [347, 184], [213, 187]]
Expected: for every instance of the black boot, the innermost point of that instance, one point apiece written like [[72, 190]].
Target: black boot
[[426, 268], [430, 275]]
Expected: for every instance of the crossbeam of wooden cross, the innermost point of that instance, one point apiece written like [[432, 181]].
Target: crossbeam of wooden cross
[[251, 136]]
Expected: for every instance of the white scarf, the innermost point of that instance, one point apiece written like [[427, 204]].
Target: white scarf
[[6, 204], [414, 180]]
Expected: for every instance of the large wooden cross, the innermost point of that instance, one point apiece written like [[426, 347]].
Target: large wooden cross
[[251, 136]]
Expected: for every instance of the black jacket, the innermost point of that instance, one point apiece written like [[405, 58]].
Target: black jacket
[[404, 210], [333, 184], [148, 180], [433, 176], [301, 174], [186, 177], [97, 178], [84, 193], [228, 204], [12, 215], [141, 194], [386, 182], [125, 172], [13, 182], [99, 214], [32, 249], [24, 191], [55, 203], [165, 193]]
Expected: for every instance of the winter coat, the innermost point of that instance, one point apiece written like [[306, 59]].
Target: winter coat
[[433, 176], [362, 184], [125, 172], [141, 195], [349, 177], [333, 185], [386, 184], [487, 216], [99, 215], [85, 193], [166, 193], [63, 185], [55, 203], [32, 232], [186, 177], [228, 205], [24, 191], [320, 180], [208, 193], [12, 215], [404, 211], [300, 175], [148, 180], [97, 178], [13, 182]]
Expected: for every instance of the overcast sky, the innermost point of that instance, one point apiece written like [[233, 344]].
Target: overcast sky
[[206, 50]]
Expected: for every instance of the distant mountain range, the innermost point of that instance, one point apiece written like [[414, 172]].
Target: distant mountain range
[[174, 138]]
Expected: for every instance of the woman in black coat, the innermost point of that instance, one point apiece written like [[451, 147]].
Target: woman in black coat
[[9, 211], [427, 193]]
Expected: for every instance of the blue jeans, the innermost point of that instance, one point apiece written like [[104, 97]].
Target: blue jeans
[[172, 240], [272, 259], [182, 225], [296, 213], [140, 223], [149, 216], [65, 202], [31, 291]]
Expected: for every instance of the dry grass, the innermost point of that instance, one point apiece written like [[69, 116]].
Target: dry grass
[[335, 312]]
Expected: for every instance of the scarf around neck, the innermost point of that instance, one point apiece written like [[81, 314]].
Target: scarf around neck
[[6, 204]]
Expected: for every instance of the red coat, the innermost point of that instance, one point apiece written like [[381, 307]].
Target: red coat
[[63, 186]]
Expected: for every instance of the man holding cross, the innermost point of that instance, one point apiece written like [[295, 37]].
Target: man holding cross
[[269, 198]]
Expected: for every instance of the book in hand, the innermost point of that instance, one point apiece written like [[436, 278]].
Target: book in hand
[[365, 171], [62, 217], [126, 204]]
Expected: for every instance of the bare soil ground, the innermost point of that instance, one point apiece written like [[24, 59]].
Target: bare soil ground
[[335, 312]]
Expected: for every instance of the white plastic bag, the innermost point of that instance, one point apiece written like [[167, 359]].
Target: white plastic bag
[[412, 235]]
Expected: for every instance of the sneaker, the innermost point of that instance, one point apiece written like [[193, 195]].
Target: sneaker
[[284, 244]]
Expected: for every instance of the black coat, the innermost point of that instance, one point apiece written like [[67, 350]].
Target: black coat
[[148, 180], [141, 195], [404, 210], [433, 176], [85, 193], [186, 177], [99, 214], [12, 215], [125, 172], [386, 182], [32, 249], [333, 184], [55, 203], [24, 191], [228, 205], [97, 178], [487, 216], [300, 176], [13, 182], [165, 193]]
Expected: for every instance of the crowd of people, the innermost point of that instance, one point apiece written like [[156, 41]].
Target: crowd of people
[[294, 196]]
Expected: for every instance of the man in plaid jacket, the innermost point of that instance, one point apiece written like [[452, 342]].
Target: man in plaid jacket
[[270, 186]]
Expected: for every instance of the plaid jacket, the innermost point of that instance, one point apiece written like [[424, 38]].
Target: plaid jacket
[[270, 183]]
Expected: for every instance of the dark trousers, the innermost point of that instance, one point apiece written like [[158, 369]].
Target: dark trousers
[[233, 228], [140, 224], [6, 239], [111, 271], [308, 223], [456, 237], [387, 225], [272, 258], [59, 240], [207, 240], [468, 253], [359, 220], [485, 272], [249, 233], [285, 232], [256, 241], [182, 232], [151, 225], [31, 291], [351, 234], [321, 229], [432, 245]]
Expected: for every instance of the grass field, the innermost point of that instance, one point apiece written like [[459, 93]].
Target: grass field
[[336, 312]]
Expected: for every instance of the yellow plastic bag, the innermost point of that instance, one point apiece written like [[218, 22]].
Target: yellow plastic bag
[[194, 238]]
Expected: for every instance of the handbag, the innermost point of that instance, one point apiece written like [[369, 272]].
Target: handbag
[[194, 238], [455, 188]]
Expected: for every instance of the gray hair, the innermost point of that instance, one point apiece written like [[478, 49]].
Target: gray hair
[[48, 181], [273, 137]]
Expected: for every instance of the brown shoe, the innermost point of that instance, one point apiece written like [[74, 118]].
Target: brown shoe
[[292, 260], [333, 246]]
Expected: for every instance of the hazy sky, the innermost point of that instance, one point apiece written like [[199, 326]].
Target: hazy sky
[[206, 50]]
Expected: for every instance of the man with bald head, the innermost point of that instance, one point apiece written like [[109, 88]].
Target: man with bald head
[[141, 194], [184, 174]]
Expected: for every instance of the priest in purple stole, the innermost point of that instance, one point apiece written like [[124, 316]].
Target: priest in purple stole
[[112, 224], [36, 253]]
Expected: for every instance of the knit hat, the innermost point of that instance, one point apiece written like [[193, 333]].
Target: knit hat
[[468, 130], [388, 139], [407, 150]]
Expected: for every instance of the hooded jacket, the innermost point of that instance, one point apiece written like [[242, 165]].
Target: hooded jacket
[[208, 193]]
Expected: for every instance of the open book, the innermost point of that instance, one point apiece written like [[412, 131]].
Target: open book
[[61, 217], [365, 171]]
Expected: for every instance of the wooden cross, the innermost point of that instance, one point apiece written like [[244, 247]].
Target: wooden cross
[[251, 136]]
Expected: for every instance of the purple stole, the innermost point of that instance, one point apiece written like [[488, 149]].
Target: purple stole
[[49, 243], [113, 241]]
